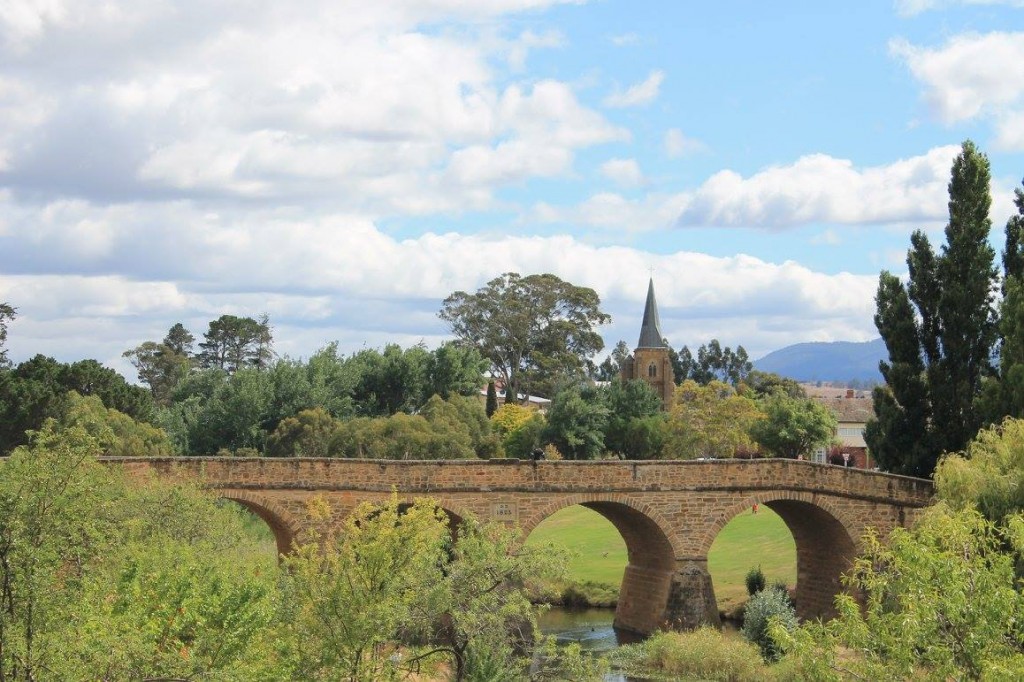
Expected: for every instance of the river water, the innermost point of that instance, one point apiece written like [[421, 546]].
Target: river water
[[592, 628]]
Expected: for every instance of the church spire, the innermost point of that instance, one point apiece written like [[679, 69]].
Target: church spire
[[650, 330]]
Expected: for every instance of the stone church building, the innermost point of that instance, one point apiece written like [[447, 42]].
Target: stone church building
[[650, 361]]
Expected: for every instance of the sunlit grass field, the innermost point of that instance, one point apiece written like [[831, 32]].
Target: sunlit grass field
[[748, 540]]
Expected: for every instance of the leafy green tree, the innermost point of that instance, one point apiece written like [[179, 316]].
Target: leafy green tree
[[576, 423], [55, 520], [522, 441], [390, 381], [159, 367], [709, 421], [349, 598], [180, 594], [940, 331], [713, 363], [534, 330], [232, 343], [611, 367], [116, 434], [1004, 395], [401, 436], [635, 426], [492, 399], [179, 340], [486, 610], [7, 313], [453, 369], [760, 384], [793, 426], [940, 602], [988, 475], [307, 434], [37, 389]]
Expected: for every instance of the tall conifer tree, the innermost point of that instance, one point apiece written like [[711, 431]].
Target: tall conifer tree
[[940, 331]]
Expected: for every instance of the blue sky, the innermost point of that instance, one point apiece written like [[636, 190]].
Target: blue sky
[[343, 166]]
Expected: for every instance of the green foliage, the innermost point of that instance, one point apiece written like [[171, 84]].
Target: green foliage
[[754, 580], [576, 424], [713, 363], [232, 343], [534, 330], [764, 606], [162, 366], [56, 519], [307, 434], [404, 436], [390, 381], [940, 331], [394, 575], [636, 425], [793, 426], [492, 399], [116, 434], [760, 384], [703, 654], [610, 368], [988, 475], [520, 443], [452, 370], [709, 421], [7, 313], [37, 389], [940, 602], [509, 417], [481, 592], [348, 600]]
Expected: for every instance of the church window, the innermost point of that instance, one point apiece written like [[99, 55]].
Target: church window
[[652, 370]]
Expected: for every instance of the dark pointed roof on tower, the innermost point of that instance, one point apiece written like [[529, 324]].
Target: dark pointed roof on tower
[[650, 329]]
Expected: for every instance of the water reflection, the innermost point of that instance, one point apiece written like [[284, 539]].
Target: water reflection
[[592, 629]]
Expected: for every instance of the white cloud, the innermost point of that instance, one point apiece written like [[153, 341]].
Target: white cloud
[[971, 76], [625, 172], [528, 40], [625, 39], [338, 276], [813, 189], [366, 108], [640, 94], [820, 188], [677, 144], [910, 8]]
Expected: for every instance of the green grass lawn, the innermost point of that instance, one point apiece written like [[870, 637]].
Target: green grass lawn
[[747, 541]]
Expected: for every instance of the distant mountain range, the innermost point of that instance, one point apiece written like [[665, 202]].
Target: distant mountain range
[[838, 361]]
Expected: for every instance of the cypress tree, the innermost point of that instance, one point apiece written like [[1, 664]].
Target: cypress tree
[[492, 399], [940, 331]]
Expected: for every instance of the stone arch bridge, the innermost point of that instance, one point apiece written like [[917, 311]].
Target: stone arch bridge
[[668, 512]]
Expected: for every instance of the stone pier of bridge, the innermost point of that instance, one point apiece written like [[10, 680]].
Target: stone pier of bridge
[[668, 512]]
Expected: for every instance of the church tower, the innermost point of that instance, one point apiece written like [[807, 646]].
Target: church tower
[[650, 361]]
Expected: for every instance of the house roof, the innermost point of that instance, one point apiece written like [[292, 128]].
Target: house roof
[[850, 410], [650, 329]]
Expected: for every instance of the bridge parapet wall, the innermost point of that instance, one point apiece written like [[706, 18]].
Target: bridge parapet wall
[[450, 476]]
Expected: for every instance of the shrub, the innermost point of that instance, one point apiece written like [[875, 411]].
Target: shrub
[[755, 581], [703, 654], [781, 586], [763, 606]]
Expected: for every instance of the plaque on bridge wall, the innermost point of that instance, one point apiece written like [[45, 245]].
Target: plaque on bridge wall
[[505, 511]]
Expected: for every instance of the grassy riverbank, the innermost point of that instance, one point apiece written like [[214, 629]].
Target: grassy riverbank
[[600, 553]]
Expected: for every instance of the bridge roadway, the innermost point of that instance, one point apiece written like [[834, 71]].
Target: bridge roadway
[[668, 512]]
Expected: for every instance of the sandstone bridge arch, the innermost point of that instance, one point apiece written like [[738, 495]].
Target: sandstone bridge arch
[[667, 512]]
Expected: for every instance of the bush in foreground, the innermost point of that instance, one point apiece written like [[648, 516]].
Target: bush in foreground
[[765, 605], [703, 654]]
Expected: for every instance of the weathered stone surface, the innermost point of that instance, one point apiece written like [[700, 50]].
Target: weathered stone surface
[[667, 512]]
